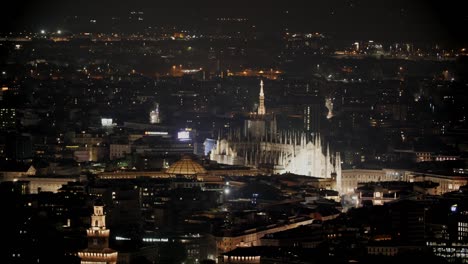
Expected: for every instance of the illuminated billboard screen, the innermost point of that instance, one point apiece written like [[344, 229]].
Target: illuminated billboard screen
[[183, 135]]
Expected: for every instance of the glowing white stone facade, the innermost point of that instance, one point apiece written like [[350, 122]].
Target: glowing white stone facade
[[261, 145], [284, 152]]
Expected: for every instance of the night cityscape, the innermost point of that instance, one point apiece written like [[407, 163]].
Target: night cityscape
[[246, 132]]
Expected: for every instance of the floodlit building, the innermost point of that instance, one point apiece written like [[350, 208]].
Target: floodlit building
[[98, 251], [281, 152]]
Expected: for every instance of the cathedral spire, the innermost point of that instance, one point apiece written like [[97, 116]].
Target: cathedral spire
[[261, 88], [261, 107]]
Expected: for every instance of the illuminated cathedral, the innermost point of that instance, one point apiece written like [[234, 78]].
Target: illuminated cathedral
[[261, 145]]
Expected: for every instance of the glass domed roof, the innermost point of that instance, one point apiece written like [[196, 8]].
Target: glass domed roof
[[186, 166]]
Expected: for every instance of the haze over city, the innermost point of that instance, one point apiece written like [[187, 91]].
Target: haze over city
[[234, 132]]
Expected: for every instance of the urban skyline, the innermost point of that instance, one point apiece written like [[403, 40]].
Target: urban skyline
[[382, 20], [234, 132]]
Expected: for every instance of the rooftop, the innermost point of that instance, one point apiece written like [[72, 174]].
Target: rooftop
[[186, 166]]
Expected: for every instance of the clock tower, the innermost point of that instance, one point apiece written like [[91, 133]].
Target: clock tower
[[98, 250]]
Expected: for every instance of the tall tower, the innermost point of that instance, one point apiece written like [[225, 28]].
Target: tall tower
[[98, 250], [312, 116], [154, 115], [261, 107]]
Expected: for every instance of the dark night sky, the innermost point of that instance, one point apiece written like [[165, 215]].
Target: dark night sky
[[384, 19]]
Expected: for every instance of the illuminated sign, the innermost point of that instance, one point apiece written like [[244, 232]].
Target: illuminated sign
[[106, 122], [453, 208], [151, 239], [156, 133], [183, 135], [82, 155], [122, 238]]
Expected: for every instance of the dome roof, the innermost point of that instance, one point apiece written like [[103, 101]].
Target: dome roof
[[186, 166]]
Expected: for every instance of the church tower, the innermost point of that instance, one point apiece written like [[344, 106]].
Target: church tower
[[261, 107], [98, 250]]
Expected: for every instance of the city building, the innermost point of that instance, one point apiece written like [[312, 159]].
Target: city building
[[155, 117], [98, 250], [7, 119], [117, 151], [280, 152], [14, 171], [252, 237]]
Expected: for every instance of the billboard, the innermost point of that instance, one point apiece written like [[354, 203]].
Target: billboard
[[183, 135]]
